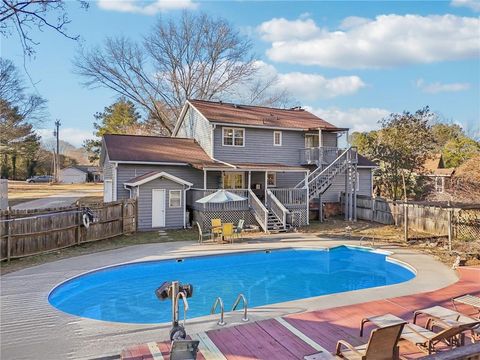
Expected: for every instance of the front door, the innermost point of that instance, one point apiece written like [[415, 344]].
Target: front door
[[158, 208]]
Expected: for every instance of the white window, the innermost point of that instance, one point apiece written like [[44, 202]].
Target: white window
[[233, 137], [272, 179], [277, 138], [234, 180], [175, 198]]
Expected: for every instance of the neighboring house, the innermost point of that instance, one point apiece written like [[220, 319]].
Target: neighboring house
[[277, 159], [440, 176], [80, 174]]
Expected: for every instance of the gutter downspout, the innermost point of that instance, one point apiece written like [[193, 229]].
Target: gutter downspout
[[114, 182]]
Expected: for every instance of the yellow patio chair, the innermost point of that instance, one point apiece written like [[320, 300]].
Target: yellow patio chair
[[228, 231], [216, 228]]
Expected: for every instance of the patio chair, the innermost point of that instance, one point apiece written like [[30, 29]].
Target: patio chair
[[201, 234], [427, 340], [227, 231], [216, 228], [444, 318], [382, 345], [239, 229], [467, 299]]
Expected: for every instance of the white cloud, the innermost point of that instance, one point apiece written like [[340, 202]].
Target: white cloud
[[281, 29], [357, 119], [151, 7], [71, 135], [437, 87], [471, 4], [311, 86], [386, 41], [314, 86]]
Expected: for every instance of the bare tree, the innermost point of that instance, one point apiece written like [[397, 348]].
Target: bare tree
[[13, 91], [21, 15], [195, 56]]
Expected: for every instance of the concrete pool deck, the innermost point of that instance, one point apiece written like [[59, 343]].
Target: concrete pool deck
[[32, 329]]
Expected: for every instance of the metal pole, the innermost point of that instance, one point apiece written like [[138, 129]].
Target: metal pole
[[57, 156], [174, 287]]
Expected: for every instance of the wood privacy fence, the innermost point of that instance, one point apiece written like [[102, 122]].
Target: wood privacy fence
[[30, 232], [423, 217]]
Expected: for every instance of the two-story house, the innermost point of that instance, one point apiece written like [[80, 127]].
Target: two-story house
[[278, 160]]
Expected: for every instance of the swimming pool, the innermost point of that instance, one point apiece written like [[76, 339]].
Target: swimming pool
[[126, 293]]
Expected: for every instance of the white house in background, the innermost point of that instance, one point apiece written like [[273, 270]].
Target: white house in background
[[80, 174]]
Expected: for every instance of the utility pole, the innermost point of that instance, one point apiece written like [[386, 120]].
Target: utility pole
[[57, 153]]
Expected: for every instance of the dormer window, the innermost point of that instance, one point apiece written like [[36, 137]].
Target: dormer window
[[277, 138], [233, 136]]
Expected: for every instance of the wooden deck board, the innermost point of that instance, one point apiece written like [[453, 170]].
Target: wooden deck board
[[268, 339]]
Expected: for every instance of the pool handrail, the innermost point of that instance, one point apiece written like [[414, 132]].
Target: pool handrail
[[185, 307], [218, 300], [245, 305]]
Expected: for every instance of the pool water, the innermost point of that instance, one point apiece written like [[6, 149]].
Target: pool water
[[126, 293]]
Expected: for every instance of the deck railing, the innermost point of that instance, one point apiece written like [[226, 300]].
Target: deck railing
[[291, 197], [260, 212], [323, 155], [196, 194], [277, 208]]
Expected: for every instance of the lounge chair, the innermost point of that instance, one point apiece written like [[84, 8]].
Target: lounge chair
[[443, 317], [239, 229], [467, 299], [216, 228], [201, 234], [425, 339], [382, 345]]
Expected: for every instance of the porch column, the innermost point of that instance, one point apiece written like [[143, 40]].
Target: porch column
[[266, 185], [249, 180], [320, 142], [204, 179]]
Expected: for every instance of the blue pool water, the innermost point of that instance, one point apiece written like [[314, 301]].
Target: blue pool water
[[126, 293]]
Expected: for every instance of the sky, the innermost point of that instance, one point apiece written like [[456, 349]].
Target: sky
[[350, 62]]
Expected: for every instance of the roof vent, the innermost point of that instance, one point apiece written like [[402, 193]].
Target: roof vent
[[297, 108]]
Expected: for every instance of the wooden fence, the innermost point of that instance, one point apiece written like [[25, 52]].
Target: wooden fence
[[30, 232], [423, 217]]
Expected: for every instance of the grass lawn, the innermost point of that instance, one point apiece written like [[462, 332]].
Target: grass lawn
[[97, 246], [21, 191]]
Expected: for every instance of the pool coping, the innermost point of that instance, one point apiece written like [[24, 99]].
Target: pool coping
[[90, 338]]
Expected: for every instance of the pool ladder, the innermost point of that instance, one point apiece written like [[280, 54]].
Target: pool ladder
[[219, 301]]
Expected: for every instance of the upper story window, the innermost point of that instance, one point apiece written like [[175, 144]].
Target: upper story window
[[233, 137], [277, 138]]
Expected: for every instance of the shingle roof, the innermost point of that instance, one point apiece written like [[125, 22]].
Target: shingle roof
[[248, 115], [152, 175], [363, 161], [137, 148]]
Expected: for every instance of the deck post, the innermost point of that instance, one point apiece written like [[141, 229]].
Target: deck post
[[204, 179], [249, 179], [266, 185]]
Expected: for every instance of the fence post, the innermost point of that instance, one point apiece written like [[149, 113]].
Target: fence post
[[373, 209], [78, 232], [9, 237], [122, 210], [405, 222], [449, 229]]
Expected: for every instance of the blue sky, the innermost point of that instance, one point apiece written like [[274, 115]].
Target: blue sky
[[351, 62]]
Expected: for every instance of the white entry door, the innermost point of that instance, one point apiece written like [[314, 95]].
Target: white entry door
[[158, 207]]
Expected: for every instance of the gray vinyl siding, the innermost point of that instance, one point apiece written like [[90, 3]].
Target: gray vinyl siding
[[107, 168], [338, 186], [194, 126], [259, 147], [173, 216], [127, 172], [289, 179], [329, 139]]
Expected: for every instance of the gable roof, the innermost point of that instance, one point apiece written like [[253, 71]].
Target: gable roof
[[152, 175], [260, 116], [157, 149]]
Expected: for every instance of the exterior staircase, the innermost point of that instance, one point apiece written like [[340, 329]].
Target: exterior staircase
[[274, 224]]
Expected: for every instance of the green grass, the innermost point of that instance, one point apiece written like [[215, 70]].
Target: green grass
[[97, 246]]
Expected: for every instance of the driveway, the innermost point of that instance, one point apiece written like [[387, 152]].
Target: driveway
[[57, 200]]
